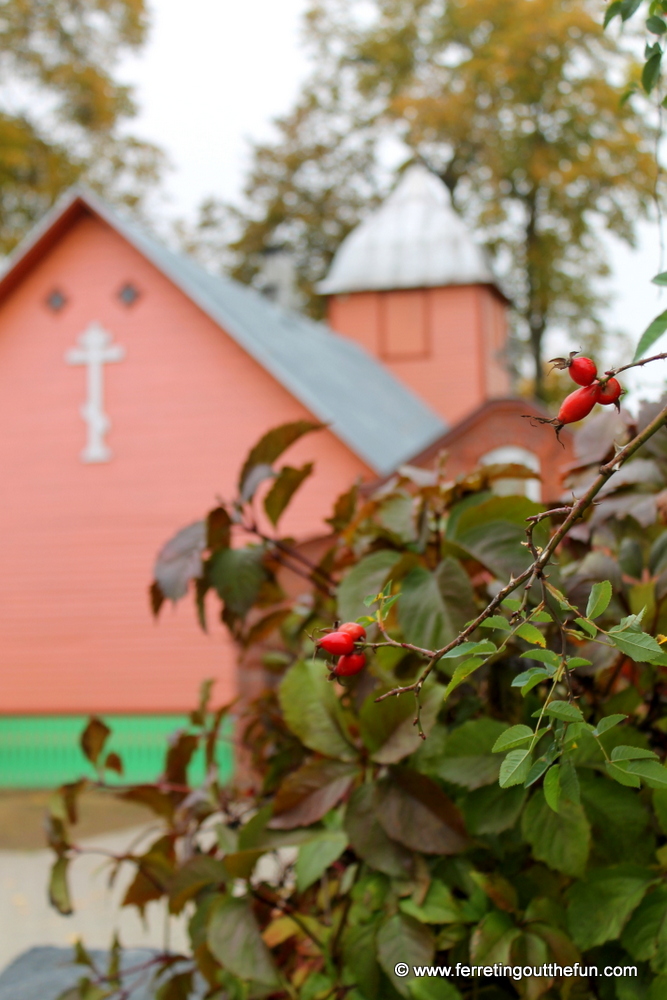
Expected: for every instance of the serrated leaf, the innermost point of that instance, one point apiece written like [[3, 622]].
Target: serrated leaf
[[588, 627], [515, 767], [93, 738], [414, 811], [512, 737], [532, 634], [577, 661], [237, 575], [435, 607], [283, 488], [180, 560], [312, 711], [653, 331], [316, 855], [366, 577], [613, 10], [496, 621], [542, 656], [564, 711], [551, 787], [601, 903], [562, 839], [631, 753], [235, 940], [404, 936], [309, 792], [193, 876], [608, 722], [638, 645], [462, 672], [530, 679], [387, 727], [622, 776], [471, 648], [629, 7], [650, 771]]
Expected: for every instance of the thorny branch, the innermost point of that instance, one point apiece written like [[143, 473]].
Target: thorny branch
[[534, 572]]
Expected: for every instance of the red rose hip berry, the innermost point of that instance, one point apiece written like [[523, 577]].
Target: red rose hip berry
[[337, 643], [348, 665], [610, 392], [578, 404], [354, 629], [583, 371]]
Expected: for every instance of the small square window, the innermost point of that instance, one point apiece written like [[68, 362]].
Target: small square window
[[128, 294], [56, 300]]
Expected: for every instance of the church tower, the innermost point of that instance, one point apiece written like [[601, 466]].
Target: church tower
[[411, 285]]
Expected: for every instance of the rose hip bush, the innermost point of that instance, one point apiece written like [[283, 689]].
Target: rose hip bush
[[488, 789]]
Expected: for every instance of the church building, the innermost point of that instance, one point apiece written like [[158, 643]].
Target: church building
[[132, 385]]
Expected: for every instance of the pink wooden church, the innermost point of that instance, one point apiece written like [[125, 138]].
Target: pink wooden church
[[132, 384]]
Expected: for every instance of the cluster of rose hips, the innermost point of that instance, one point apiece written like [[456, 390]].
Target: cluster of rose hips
[[579, 403], [341, 643]]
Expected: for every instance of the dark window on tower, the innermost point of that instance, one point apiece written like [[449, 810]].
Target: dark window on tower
[[128, 294], [56, 300]]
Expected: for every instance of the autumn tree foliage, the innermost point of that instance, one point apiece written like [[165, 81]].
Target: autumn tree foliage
[[62, 111], [516, 104]]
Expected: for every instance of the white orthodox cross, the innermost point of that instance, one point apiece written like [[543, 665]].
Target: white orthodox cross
[[95, 350]]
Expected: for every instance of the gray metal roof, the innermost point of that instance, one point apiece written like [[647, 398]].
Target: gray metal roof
[[373, 413], [414, 240]]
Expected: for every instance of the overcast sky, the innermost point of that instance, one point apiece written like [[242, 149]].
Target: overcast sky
[[214, 74]]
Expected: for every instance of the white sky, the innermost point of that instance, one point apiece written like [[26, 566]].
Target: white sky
[[213, 75]]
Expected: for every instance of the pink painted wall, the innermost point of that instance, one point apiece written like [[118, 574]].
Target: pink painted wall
[[446, 344], [78, 541]]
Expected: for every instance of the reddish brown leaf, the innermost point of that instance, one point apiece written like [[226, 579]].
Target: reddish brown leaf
[[114, 763], [156, 598], [414, 811], [307, 794], [93, 738], [218, 529]]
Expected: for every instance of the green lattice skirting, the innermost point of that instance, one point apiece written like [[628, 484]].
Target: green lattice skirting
[[44, 751]]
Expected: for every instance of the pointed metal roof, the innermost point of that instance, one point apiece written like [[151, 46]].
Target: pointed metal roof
[[374, 414], [414, 240]]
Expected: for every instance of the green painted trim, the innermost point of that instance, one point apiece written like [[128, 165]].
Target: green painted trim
[[44, 751]]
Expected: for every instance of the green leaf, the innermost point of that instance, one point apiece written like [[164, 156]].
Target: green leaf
[[588, 627], [631, 753], [564, 711], [178, 987], [462, 673], [546, 656], [653, 331], [405, 937], [467, 758], [601, 903], [651, 772], [468, 648], [237, 575], [515, 767], [366, 577], [613, 10], [622, 776], [284, 486], [492, 939], [496, 621], [271, 446], [608, 723], [493, 809], [651, 75], [439, 906], [646, 931], [435, 607], [316, 855], [640, 646], [660, 279], [59, 896], [598, 599], [551, 787], [577, 661], [530, 679], [235, 940], [312, 711], [532, 634], [512, 737], [194, 875], [629, 7], [562, 840]]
